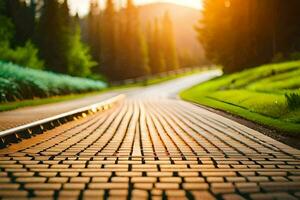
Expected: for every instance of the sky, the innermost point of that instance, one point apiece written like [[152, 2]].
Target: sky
[[82, 6]]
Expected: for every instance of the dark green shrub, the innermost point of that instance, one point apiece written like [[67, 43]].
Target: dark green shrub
[[293, 100], [26, 56]]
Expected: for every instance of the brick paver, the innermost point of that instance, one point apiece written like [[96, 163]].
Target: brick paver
[[155, 149], [150, 147]]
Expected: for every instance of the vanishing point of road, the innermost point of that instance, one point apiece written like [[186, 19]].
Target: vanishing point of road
[[151, 145]]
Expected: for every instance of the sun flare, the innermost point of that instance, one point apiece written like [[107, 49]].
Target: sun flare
[[82, 6]]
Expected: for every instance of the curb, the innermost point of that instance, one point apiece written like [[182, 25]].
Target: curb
[[15, 135]]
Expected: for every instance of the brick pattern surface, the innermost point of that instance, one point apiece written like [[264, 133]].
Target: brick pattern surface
[[150, 149]]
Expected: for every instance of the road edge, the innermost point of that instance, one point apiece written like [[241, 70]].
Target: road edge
[[15, 135]]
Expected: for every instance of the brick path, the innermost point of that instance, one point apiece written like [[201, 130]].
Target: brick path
[[148, 148]]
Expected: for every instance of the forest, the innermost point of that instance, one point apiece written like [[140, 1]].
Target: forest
[[239, 34], [42, 34], [110, 43]]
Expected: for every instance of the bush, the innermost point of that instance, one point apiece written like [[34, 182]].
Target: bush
[[6, 29], [295, 56], [293, 100], [25, 56], [79, 58], [18, 83], [278, 58]]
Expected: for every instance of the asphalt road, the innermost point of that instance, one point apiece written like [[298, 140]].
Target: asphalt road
[[151, 146]]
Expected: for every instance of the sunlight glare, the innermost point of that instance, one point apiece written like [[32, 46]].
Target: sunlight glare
[[82, 6]]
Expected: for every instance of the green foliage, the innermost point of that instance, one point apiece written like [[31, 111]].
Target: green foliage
[[122, 49], [268, 94], [22, 16], [94, 33], [6, 106], [6, 29], [59, 41], [136, 57], [17, 83], [295, 56], [239, 34], [278, 57], [293, 100], [79, 60], [26, 56], [52, 37], [109, 40]]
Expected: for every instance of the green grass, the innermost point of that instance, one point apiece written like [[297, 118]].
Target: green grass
[[36, 102], [268, 95]]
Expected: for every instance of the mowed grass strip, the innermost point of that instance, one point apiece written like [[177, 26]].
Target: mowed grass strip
[[268, 95], [43, 101]]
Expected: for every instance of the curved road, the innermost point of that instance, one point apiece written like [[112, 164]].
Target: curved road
[[151, 146]]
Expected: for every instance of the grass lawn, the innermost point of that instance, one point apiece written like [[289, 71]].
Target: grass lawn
[[257, 94]]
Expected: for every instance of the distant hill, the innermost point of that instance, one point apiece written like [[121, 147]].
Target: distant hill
[[184, 19]]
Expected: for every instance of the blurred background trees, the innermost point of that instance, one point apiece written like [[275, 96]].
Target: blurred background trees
[[110, 41], [130, 41], [59, 40], [122, 48], [239, 34], [17, 24]]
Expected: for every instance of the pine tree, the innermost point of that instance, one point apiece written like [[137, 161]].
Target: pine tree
[[6, 25], [94, 32], [129, 27], [169, 46], [142, 63], [60, 42], [108, 45], [51, 40], [262, 30], [80, 61], [22, 17], [135, 58], [158, 62], [120, 46], [212, 31], [150, 45]]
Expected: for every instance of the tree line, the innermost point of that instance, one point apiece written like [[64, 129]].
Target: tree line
[[120, 46], [240, 34], [17, 22], [42, 34]]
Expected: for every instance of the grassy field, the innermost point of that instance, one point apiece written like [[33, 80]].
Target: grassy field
[[18, 83], [268, 95]]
